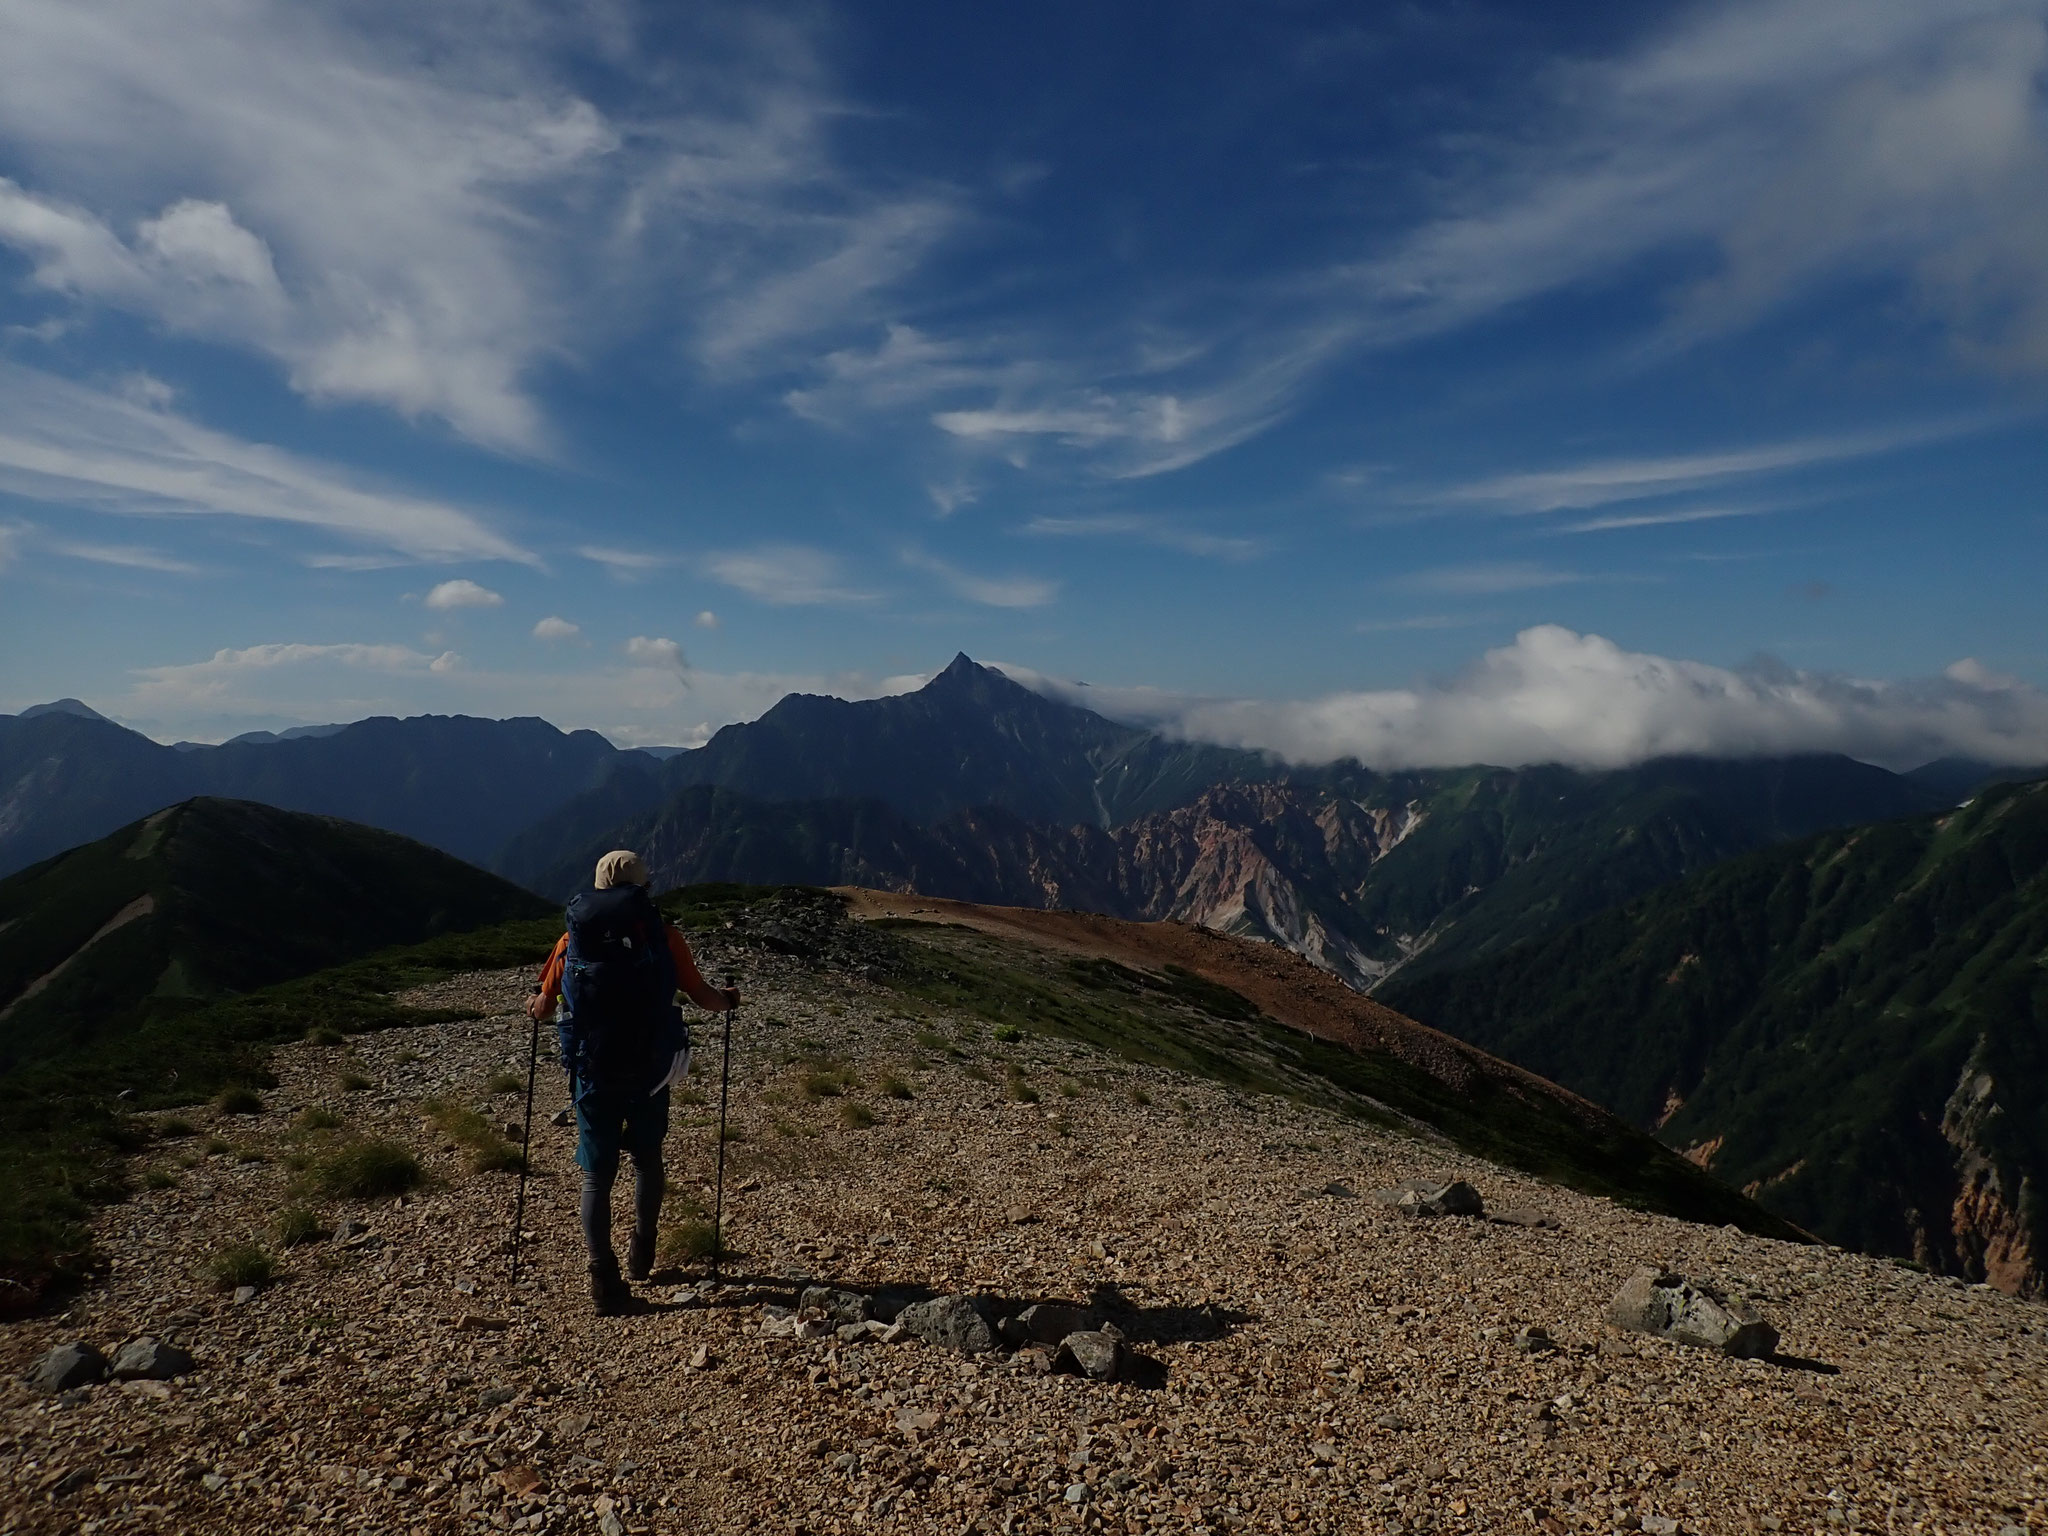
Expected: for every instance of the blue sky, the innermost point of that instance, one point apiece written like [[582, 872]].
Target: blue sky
[[1430, 382]]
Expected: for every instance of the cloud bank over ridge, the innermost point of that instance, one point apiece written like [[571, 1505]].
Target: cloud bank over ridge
[[1555, 695]]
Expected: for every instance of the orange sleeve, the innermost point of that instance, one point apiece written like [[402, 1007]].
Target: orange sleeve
[[551, 973], [689, 980]]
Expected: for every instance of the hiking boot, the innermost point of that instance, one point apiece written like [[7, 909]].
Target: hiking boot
[[640, 1256], [608, 1294]]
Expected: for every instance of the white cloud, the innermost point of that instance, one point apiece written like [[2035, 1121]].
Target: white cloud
[[1664, 519], [1486, 580], [64, 444], [1558, 696], [134, 557], [1602, 482], [418, 208], [990, 591], [789, 575], [552, 628], [462, 593], [625, 564], [706, 620], [652, 651], [1145, 529]]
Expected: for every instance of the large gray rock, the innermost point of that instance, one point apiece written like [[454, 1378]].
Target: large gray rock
[[1048, 1322], [68, 1366], [1090, 1353], [841, 1306], [149, 1359], [952, 1322], [1670, 1306], [1426, 1197]]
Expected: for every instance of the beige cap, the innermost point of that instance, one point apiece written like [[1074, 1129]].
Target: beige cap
[[621, 866]]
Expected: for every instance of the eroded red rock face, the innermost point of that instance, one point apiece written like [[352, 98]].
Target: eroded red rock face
[[1989, 1237]]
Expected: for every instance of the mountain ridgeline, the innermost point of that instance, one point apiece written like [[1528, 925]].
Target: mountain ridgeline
[[1853, 1028], [978, 788], [207, 899]]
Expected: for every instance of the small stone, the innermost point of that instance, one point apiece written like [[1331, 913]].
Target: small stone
[[1534, 1341], [1422, 1197], [700, 1358], [1659, 1525], [951, 1322], [244, 1294], [1090, 1353], [68, 1366], [150, 1360], [1337, 1189], [349, 1228], [609, 1524], [495, 1397], [1523, 1216], [1391, 1420], [560, 1117], [572, 1426], [1324, 1451], [518, 1481], [1077, 1493]]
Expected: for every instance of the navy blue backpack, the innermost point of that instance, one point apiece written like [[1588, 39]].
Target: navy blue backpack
[[623, 1029]]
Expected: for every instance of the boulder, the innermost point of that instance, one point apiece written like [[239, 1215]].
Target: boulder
[[1670, 1306], [149, 1359], [951, 1322], [1090, 1353], [68, 1366], [840, 1306], [1425, 1197], [1048, 1322]]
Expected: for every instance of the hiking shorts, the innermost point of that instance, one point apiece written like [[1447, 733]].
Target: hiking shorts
[[610, 1123]]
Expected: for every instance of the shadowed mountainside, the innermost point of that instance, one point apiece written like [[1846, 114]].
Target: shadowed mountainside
[[208, 898], [1852, 1027]]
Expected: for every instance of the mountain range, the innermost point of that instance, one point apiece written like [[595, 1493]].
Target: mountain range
[[978, 788], [1853, 1028]]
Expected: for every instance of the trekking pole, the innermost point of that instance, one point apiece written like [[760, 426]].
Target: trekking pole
[[718, 1210], [525, 1148]]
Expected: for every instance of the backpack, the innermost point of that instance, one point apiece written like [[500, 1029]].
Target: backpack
[[619, 984]]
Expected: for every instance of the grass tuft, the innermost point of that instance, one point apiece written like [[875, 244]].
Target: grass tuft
[[318, 1117], [688, 1242], [1137, 1095], [894, 1087], [1008, 1034], [354, 1082], [489, 1152], [405, 1058], [238, 1100], [323, 1035], [504, 1082], [159, 1178], [241, 1264], [367, 1170], [856, 1116], [297, 1224], [173, 1127]]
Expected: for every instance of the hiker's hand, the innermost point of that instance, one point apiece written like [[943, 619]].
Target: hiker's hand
[[732, 998], [538, 1007]]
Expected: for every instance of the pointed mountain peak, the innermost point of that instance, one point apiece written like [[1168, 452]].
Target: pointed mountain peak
[[964, 672]]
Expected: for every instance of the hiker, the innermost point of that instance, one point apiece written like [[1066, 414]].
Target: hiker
[[623, 1040]]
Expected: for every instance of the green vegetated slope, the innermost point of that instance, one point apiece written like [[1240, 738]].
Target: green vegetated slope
[[209, 898], [1855, 1026], [68, 1123]]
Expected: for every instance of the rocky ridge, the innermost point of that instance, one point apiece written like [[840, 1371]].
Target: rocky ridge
[[1318, 1361]]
